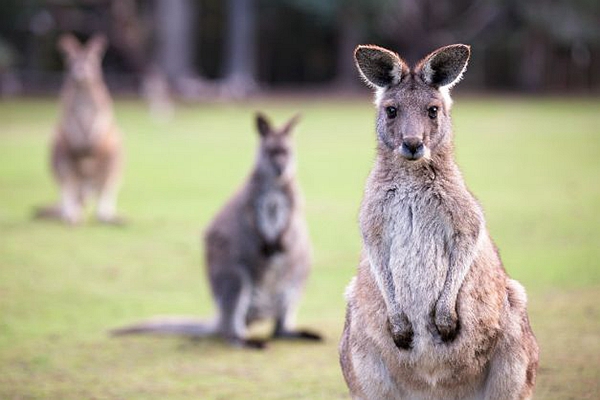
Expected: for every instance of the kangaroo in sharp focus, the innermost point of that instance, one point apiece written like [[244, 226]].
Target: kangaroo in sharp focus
[[432, 314], [86, 149], [258, 251]]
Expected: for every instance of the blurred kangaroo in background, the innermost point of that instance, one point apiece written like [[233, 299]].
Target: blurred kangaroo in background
[[86, 149], [258, 251], [431, 313]]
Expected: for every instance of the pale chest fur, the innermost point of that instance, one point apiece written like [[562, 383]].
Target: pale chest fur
[[85, 119], [273, 212], [412, 230], [273, 219]]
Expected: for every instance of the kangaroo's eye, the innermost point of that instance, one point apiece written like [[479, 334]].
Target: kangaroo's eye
[[391, 112], [432, 112]]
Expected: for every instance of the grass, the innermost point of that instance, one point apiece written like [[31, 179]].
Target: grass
[[534, 164]]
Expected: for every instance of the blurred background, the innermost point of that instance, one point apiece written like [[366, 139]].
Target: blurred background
[[235, 48]]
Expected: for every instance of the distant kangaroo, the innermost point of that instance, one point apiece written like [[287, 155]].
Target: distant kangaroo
[[258, 251], [86, 149], [432, 314]]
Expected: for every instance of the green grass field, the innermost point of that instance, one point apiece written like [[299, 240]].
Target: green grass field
[[533, 164]]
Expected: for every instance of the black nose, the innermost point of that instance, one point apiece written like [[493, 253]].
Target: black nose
[[412, 145]]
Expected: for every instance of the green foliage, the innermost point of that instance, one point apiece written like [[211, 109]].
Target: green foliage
[[534, 165]]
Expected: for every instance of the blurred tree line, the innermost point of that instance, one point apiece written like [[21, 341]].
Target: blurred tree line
[[235, 47]]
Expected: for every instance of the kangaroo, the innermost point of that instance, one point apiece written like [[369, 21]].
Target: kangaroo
[[431, 313], [86, 149], [258, 251]]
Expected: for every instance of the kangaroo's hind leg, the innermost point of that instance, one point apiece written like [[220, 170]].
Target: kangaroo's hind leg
[[286, 315], [106, 209], [233, 293], [108, 187], [71, 206], [514, 365]]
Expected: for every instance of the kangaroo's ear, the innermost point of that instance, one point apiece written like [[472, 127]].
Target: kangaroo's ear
[[69, 45], [97, 44], [378, 66], [262, 124], [291, 124], [445, 66]]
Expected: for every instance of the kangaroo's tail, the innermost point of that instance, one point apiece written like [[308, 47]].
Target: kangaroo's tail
[[179, 326]]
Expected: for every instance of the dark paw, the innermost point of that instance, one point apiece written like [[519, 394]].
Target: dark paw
[[271, 249], [446, 326], [255, 344], [403, 338], [308, 335], [299, 335]]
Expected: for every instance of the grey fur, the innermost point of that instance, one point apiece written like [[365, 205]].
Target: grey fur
[[445, 66], [431, 313], [86, 149], [379, 67], [258, 250]]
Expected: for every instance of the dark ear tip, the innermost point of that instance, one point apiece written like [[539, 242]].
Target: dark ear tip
[[464, 48], [260, 117], [262, 123], [358, 51], [359, 48], [365, 50]]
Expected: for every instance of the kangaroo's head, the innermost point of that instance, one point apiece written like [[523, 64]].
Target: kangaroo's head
[[276, 151], [413, 104], [83, 62]]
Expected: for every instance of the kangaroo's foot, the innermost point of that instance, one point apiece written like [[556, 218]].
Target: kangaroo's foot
[[298, 335], [255, 344]]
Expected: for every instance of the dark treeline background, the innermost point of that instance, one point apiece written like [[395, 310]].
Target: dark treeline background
[[237, 47]]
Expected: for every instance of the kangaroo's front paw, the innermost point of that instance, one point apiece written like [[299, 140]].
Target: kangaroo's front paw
[[446, 323], [401, 331]]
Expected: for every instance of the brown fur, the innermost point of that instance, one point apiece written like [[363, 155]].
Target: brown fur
[[86, 149], [431, 313], [258, 251]]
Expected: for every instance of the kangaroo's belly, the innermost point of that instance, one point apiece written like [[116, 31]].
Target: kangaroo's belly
[[419, 263], [270, 292], [418, 260], [419, 272]]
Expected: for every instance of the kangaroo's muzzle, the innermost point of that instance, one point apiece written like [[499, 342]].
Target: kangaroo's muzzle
[[412, 148]]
